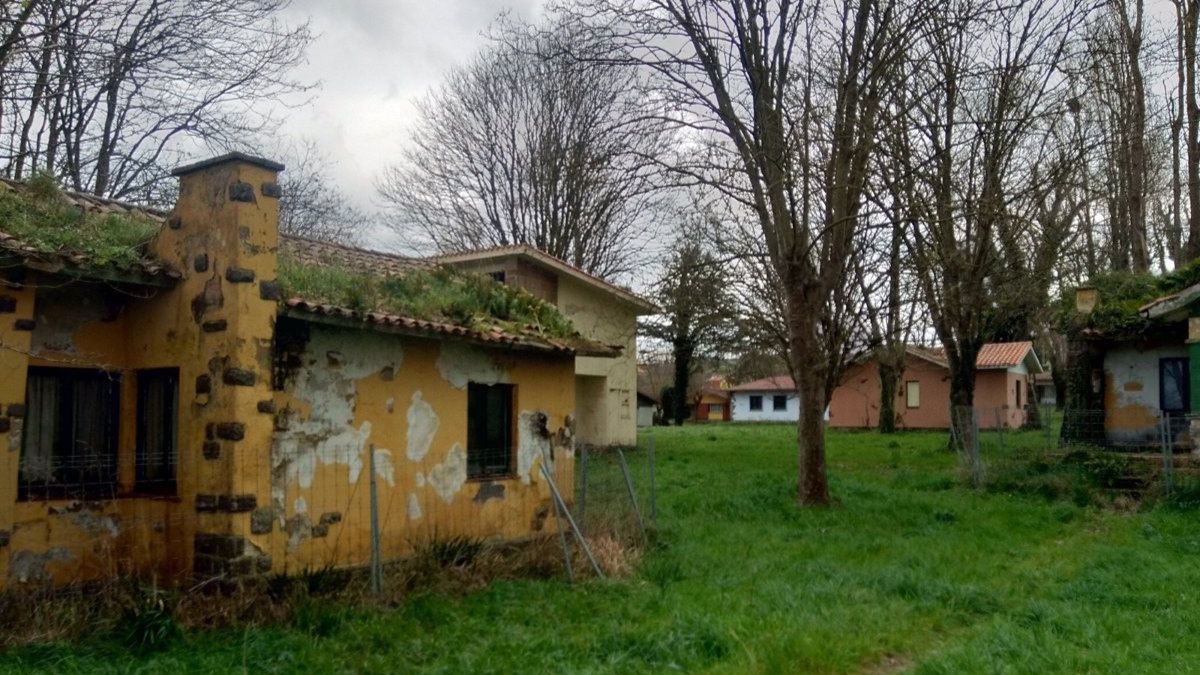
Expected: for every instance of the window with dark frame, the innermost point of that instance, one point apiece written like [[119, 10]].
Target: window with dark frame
[[756, 403], [70, 440], [779, 403], [1017, 387], [157, 430], [489, 430], [497, 276], [1174, 385]]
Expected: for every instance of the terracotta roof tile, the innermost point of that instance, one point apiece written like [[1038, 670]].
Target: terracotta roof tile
[[79, 262], [314, 252], [546, 259], [1002, 354], [496, 335], [991, 355]]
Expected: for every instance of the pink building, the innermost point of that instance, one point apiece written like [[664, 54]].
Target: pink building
[[1003, 385]]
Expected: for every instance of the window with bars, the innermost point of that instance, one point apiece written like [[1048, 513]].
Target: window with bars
[[69, 444], [489, 430], [779, 402], [157, 430], [756, 402]]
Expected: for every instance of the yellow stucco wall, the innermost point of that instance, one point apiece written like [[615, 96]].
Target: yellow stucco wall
[[406, 399], [597, 316], [266, 480], [606, 392]]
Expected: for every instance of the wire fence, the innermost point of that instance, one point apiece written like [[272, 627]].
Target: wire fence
[[1136, 452]]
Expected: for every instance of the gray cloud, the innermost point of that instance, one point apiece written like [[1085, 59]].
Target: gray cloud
[[374, 58]]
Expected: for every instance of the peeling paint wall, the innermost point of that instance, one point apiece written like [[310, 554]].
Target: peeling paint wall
[[215, 326], [1131, 391], [607, 392], [407, 399]]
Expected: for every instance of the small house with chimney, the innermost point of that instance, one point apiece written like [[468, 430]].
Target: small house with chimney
[[1133, 360], [190, 394]]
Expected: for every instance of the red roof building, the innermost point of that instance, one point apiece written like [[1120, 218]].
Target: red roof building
[[1003, 388]]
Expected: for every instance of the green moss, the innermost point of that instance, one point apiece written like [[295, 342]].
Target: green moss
[[437, 294], [1121, 294], [39, 217]]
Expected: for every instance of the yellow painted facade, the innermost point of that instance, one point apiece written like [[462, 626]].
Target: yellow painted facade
[[268, 478]]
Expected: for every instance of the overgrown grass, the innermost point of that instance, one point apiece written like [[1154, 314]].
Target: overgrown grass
[[910, 571], [1120, 294], [436, 294], [40, 217]]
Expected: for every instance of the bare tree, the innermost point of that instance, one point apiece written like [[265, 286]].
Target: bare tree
[[108, 94], [989, 104], [1187, 16], [529, 144], [788, 96], [312, 205]]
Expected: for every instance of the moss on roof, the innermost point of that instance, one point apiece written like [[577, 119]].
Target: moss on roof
[[40, 217], [1119, 297], [433, 294]]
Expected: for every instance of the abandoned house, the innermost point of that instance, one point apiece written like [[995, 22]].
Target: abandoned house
[[1131, 346], [1004, 389], [219, 400], [605, 388]]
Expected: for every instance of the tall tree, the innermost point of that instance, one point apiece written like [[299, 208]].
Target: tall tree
[[789, 95], [312, 205], [989, 101], [1187, 20], [528, 144], [697, 314], [107, 95]]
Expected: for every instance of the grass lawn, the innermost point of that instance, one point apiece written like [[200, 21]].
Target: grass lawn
[[909, 572]]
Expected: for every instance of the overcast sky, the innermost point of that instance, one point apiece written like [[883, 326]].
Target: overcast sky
[[373, 58]]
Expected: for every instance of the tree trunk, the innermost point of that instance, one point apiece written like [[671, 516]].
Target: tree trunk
[[962, 391], [1193, 128], [888, 382], [683, 366], [810, 378]]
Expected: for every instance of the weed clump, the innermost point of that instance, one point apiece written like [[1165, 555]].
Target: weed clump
[[40, 216], [435, 294]]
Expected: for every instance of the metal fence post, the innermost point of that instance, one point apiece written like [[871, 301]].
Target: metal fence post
[[637, 510], [587, 551], [976, 459], [1000, 428], [583, 480], [1168, 450], [376, 560], [653, 488], [1048, 425]]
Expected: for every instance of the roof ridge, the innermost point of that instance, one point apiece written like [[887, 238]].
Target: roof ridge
[[161, 214], [535, 252], [353, 249]]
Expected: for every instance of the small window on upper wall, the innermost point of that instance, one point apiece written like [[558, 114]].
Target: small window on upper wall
[[157, 430], [498, 276], [912, 394], [756, 403], [779, 403], [489, 430]]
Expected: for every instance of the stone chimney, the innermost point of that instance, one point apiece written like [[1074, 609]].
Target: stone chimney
[[1086, 298], [223, 236]]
